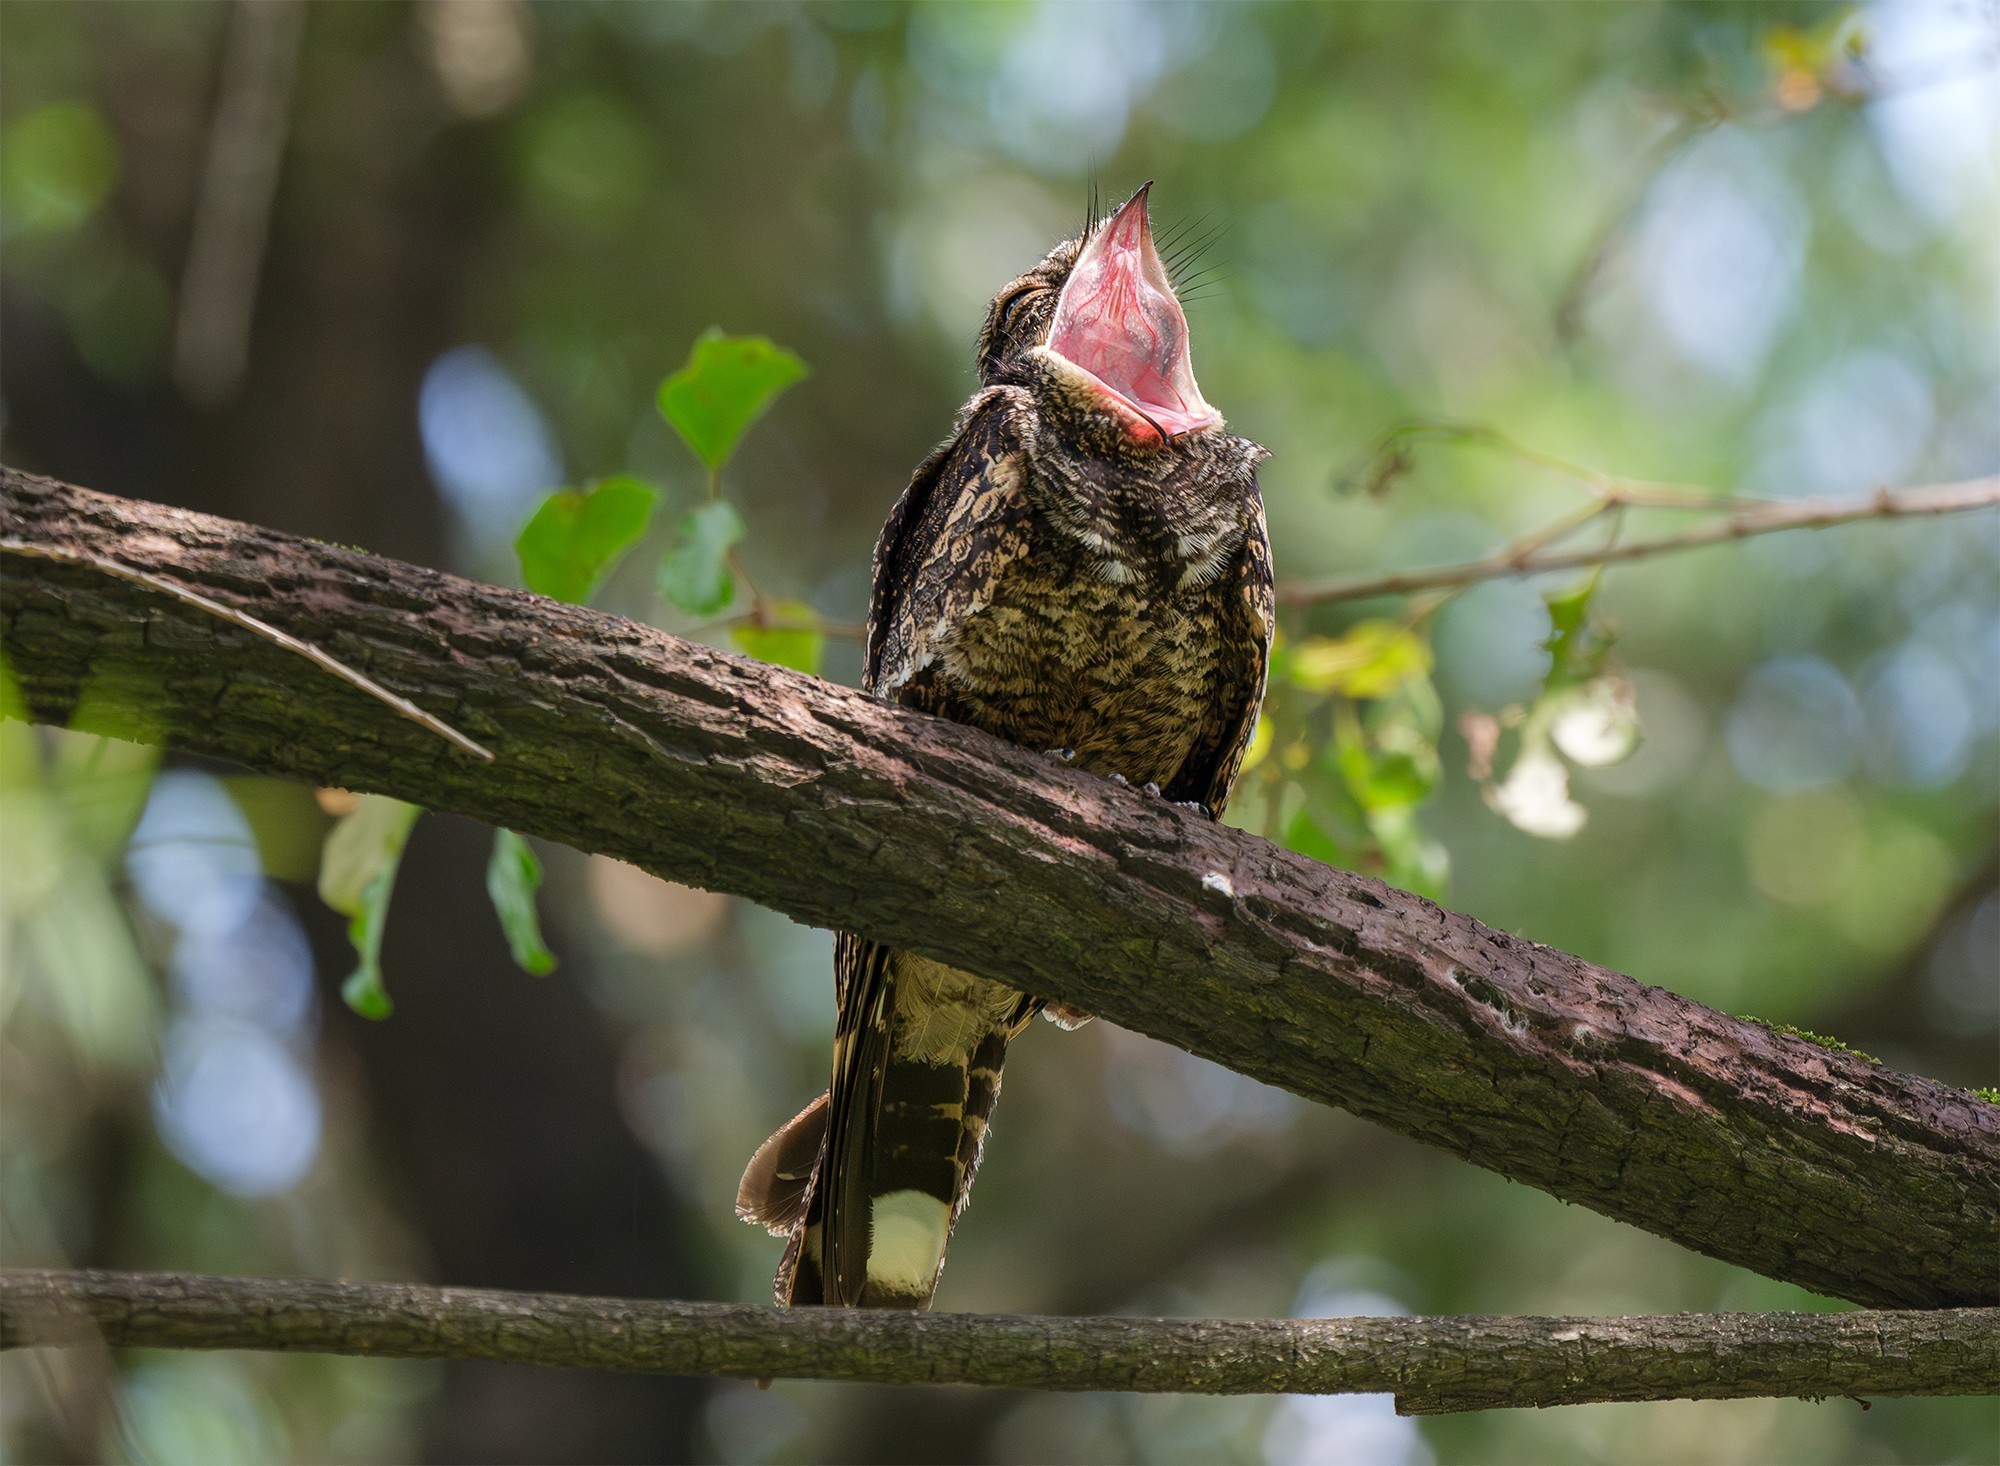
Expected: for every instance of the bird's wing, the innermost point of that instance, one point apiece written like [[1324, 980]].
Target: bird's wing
[[963, 479], [959, 501], [1208, 773]]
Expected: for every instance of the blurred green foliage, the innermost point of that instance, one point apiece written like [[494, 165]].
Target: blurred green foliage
[[791, 637], [575, 538], [357, 874], [695, 575], [57, 166], [513, 876], [1353, 722], [69, 802]]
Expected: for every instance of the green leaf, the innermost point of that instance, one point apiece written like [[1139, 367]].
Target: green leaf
[[1371, 659], [357, 872], [13, 705], [695, 573], [1411, 860], [1578, 644], [1390, 763], [1309, 838], [574, 538], [726, 385], [363, 990], [513, 876], [1262, 732], [799, 646], [101, 786]]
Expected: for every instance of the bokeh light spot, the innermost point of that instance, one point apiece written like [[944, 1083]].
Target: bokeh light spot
[[1795, 726]]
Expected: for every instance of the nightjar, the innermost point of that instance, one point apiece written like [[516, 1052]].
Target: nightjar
[[1081, 567]]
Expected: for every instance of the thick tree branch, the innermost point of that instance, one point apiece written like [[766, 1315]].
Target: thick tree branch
[[402, 705], [1431, 1365], [1737, 519], [1755, 1146]]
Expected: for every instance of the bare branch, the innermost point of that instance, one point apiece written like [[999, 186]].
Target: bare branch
[[1762, 1148], [1432, 1365], [1740, 519]]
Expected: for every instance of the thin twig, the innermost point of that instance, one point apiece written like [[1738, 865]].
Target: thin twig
[[1433, 1365], [764, 618], [251, 623], [1388, 458], [1742, 520], [759, 613]]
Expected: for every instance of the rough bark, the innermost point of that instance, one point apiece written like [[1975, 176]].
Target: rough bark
[[1431, 1365], [1755, 1146]]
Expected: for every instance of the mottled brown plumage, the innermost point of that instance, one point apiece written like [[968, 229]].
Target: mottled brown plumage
[[1081, 567]]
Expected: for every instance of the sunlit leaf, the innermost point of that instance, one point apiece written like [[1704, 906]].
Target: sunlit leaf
[[1535, 795], [513, 875], [1260, 743], [364, 842], [13, 706], [91, 978], [799, 644], [285, 820], [695, 573], [1305, 835], [1388, 762], [575, 537], [356, 875], [1595, 724], [1371, 659], [101, 785], [1411, 859], [67, 803], [363, 989], [726, 385]]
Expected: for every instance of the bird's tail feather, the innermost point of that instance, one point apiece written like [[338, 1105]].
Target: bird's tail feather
[[870, 1219]]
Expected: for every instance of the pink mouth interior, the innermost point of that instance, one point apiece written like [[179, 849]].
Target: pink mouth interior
[[1118, 321]]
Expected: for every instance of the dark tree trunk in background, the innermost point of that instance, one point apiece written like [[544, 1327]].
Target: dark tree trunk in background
[[491, 1094], [495, 1103]]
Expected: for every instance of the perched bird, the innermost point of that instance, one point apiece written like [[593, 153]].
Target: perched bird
[[1081, 568]]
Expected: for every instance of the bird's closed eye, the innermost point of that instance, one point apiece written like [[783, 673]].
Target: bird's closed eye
[[1010, 307]]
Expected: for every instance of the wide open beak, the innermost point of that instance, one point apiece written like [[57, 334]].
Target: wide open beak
[[1119, 322]]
